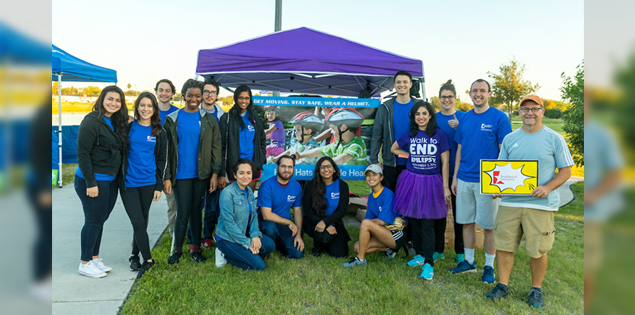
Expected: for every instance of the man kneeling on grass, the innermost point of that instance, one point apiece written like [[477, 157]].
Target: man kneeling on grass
[[374, 233]]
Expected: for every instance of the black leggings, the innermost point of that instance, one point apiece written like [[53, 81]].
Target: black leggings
[[335, 245], [137, 201], [189, 194], [423, 239], [96, 212]]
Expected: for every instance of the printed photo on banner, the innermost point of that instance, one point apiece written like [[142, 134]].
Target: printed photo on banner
[[309, 127], [509, 177]]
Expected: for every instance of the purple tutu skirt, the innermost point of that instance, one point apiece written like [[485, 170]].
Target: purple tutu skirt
[[420, 196]]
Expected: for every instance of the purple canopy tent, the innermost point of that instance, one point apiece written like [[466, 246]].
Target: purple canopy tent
[[304, 60]]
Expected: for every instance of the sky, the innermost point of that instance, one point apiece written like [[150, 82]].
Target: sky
[[146, 41]]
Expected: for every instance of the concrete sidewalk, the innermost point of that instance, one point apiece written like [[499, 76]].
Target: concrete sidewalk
[[77, 294]]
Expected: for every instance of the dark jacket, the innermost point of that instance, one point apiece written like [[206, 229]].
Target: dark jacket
[[160, 159], [209, 157], [383, 133], [230, 137], [311, 218], [98, 149]]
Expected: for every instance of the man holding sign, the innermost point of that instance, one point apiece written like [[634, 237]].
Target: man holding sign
[[530, 215]]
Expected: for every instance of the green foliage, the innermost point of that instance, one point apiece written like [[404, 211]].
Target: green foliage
[[177, 97], [573, 93], [227, 100], [549, 104], [91, 90], [555, 113], [436, 103], [625, 79], [458, 105], [130, 93], [509, 87]]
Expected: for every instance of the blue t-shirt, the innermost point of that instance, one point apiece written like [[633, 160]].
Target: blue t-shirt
[[165, 113], [98, 176], [280, 199], [551, 151], [425, 152], [401, 123], [332, 197], [188, 129], [247, 139], [214, 112], [480, 136], [442, 122], [380, 207], [141, 160]]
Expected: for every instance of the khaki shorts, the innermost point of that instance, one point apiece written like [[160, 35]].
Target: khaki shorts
[[472, 207], [536, 225]]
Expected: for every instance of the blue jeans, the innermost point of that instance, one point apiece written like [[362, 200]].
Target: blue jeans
[[282, 236], [210, 219], [96, 212], [242, 257]]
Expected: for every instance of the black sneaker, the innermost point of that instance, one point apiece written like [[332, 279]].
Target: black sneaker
[[175, 258], [535, 298], [135, 265], [500, 291], [145, 267], [198, 257]]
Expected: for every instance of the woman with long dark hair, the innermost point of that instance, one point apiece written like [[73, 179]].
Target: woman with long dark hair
[[238, 235], [141, 181], [101, 139], [422, 188], [193, 164], [325, 200], [243, 136]]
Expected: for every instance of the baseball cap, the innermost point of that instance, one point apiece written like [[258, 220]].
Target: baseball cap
[[534, 98], [375, 168]]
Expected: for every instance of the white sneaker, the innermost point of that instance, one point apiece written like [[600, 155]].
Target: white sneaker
[[220, 258], [97, 262], [90, 270]]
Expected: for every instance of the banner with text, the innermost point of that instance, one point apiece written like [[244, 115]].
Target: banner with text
[[509, 177]]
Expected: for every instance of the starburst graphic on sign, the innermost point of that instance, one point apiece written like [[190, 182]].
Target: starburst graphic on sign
[[505, 177]]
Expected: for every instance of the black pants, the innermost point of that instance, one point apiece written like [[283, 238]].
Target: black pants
[[96, 212], [458, 229], [335, 245], [423, 239], [189, 194], [391, 174], [43, 247], [137, 201]]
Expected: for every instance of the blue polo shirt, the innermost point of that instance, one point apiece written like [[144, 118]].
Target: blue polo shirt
[[188, 130], [141, 160], [279, 198], [380, 206]]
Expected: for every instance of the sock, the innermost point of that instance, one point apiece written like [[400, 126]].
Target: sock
[[178, 249], [489, 260], [195, 248], [469, 255]]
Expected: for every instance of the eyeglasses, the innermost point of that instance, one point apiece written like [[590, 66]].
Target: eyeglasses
[[447, 96], [206, 92], [326, 167], [533, 109], [243, 98]]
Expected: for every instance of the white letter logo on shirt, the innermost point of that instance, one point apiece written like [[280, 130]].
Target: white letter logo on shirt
[[335, 195], [290, 198], [152, 139]]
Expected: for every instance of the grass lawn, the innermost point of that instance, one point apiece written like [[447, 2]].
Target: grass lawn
[[68, 174], [322, 286]]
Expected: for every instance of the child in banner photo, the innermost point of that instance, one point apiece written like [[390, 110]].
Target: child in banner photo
[[306, 126], [422, 193], [348, 148], [275, 131]]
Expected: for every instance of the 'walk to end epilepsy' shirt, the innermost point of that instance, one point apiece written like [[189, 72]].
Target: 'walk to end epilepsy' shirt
[[480, 136], [425, 152], [280, 199], [141, 160], [188, 129], [380, 206]]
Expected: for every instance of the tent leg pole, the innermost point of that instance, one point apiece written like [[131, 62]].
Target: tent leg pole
[[59, 131], [423, 90]]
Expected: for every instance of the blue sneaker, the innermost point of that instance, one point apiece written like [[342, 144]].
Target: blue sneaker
[[416, 261], [488, 274], [464, 266], [436, 256], [354, 262], [390, 254], [459, 258], [427, 272], [535, 298]]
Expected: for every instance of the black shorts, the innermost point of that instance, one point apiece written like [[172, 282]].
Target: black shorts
[[400, 238]]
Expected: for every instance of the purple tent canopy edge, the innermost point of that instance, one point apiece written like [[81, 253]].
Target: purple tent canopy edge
[[305, 60]]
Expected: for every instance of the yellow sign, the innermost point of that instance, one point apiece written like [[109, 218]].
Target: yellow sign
[[509, 177]]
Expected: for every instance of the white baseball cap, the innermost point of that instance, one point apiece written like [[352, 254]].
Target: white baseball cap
[[375, 168]]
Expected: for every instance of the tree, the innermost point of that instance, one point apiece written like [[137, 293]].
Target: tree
[[92, 90], [462, 106], [573, 93], [436, 103], [129, 86], [55, 87], [509, 87]]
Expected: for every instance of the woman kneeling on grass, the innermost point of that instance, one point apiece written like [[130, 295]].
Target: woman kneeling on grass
[[237, 234], [422, 188], [325, 199], [141, 179], [373, 234]]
